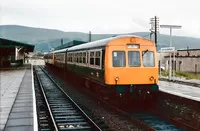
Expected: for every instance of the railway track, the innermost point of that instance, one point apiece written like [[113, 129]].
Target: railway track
[[45, 122], [148, 119], [155, 121], [63, 113]]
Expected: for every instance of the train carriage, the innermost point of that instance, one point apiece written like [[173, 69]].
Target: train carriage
[[60, 58], [123, 64], [49, 58]]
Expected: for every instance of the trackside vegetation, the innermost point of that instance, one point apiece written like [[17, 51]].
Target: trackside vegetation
[[183, 74]]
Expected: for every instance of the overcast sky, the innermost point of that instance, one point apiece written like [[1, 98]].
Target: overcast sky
[[103, 16]]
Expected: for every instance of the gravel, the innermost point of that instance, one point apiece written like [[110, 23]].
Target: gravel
[[179, 111], [173, 108], [113, 120]]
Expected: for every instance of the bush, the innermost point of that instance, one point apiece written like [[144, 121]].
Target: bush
[[188, 75], [164, 73]]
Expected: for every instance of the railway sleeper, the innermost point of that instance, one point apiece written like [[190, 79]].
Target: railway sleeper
[[70, 120]]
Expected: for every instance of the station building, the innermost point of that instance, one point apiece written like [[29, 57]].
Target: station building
[[187, 60], [13, 52]]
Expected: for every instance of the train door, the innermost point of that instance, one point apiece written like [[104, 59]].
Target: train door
[[65, 64]]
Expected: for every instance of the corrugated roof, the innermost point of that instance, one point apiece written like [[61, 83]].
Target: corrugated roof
[[6, 43]]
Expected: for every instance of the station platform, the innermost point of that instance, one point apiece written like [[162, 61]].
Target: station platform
[[17, 106], [185, 91], [182, 79]]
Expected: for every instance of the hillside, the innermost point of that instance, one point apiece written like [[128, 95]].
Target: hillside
[[43, 39]]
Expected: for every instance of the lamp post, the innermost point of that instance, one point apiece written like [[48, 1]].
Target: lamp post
[[170, 27]]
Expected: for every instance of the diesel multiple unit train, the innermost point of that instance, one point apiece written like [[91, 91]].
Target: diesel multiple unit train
[[123, 66]]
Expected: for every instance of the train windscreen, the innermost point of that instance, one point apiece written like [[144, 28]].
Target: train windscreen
[[134, 58], [148, 59], [119, 58]]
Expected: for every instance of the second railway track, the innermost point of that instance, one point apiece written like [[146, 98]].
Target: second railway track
[[63, 111]]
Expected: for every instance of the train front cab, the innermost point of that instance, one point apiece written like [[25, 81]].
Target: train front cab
[[131, 67], [49, 59]]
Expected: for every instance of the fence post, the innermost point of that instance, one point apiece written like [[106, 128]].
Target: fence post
[[195, 68]]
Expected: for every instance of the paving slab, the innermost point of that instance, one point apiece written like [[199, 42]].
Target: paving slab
[[21, 115], [10, 81], [22, 109], [23, 104], [20, 122], [19, 128], [25, 113], [17, 108]]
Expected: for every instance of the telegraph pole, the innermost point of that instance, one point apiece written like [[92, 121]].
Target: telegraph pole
[[90, 36], [61, 41], [156, 31], [154, 28]]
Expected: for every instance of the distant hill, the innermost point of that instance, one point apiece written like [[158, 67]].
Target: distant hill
[[44, 39]]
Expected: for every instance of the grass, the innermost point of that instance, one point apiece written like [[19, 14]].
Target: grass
[[183, 74]]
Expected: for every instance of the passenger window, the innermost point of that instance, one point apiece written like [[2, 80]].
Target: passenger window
[[103, 57], [68, 57], [76, 57], [97, 58], [87, 58], [119, 59], [80, 57], [134, 59], [91, 58], [72, 59], [71, 56], [148, 59], [84, 57]]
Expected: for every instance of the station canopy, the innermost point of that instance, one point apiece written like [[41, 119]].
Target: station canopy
[[5, 43]]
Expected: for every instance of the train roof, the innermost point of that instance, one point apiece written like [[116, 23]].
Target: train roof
[[59, 51], [99, 43]]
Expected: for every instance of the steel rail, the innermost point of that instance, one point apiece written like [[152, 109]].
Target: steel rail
[[47, 103], [90, 120]]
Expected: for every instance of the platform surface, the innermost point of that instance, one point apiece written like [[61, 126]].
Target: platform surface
[[17, 107], [181, 90]]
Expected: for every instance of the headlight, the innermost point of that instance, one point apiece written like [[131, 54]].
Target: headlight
[[151, 78], [117, 78]]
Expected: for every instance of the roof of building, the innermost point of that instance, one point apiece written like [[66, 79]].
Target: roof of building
[[6, 43], [70, 44]]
